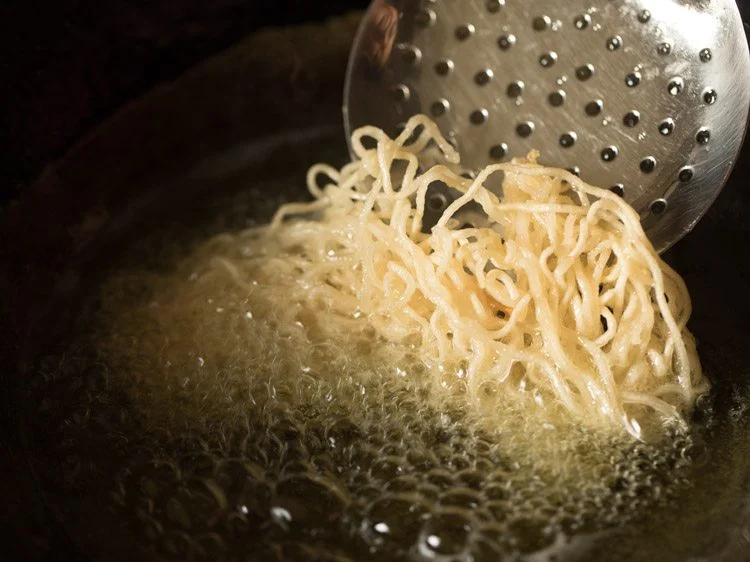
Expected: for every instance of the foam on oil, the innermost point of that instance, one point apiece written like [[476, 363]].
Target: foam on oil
[[239, 425]]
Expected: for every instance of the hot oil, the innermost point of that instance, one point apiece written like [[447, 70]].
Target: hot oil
[[192, 408]]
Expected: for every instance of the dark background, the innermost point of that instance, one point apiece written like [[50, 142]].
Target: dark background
[[67, 64]]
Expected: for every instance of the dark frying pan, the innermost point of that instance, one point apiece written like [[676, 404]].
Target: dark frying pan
[[167, 157]]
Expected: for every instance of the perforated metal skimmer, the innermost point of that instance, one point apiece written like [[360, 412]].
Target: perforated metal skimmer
[[649, 98]]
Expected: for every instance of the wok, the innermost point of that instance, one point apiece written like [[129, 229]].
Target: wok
[[260, 113]]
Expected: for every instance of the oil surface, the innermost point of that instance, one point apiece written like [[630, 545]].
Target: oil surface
[[186, 410]]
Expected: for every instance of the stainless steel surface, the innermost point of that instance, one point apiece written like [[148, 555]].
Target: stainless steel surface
[[649, 98]]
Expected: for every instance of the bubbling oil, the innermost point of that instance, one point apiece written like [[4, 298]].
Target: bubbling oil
[[236, 426]]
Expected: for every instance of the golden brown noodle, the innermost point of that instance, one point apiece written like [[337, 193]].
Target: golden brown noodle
[[560, 297]]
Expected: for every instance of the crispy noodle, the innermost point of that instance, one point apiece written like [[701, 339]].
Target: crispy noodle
[[560, 295]]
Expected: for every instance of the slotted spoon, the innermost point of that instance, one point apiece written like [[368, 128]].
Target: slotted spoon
[[649, 98]]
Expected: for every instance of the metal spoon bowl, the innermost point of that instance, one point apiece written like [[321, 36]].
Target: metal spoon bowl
[[649, 98]]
